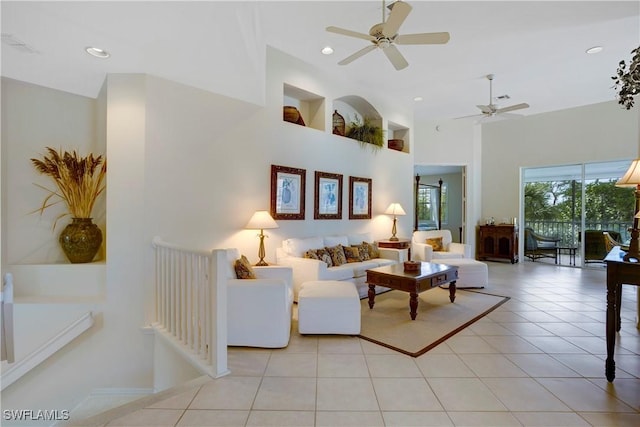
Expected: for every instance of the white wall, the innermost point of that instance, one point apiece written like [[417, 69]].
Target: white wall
[[34, 117], [593, 133], [192, 167], [496, 151], [454, 142]]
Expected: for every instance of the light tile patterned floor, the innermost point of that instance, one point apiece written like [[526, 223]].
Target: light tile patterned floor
[[538, 360]]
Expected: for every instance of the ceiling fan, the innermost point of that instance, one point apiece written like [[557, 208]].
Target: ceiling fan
[[385, 36], [492, 110]]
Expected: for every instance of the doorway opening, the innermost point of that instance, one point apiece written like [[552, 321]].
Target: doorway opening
[[440, 194]]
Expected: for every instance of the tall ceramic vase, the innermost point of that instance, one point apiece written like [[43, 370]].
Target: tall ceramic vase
[[81, 240]]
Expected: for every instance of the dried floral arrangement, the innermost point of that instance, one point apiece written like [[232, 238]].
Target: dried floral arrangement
[[79, 181], [627, 82]]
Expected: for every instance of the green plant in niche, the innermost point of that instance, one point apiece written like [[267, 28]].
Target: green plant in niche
[[366, 132]]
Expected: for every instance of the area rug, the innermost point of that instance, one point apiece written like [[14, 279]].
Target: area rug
[[389, 323]]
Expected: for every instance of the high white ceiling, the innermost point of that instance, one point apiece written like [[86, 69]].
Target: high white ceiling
[[535, 49]]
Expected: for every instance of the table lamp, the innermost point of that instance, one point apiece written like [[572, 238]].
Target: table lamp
[[632, 179], [394, 209], [261, 220]]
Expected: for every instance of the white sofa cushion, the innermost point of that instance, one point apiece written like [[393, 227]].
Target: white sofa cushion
[[357, 239], [297, 247], [360, 268], [383, 261], [342, 272], [330, 241]]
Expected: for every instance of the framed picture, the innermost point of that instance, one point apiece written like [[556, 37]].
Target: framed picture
[[328, 196], [287, 192], [359, 198]]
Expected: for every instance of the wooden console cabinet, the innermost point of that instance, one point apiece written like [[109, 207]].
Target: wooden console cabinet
[[498, 242]]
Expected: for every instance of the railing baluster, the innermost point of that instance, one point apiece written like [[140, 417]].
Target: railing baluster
[[184, 298]]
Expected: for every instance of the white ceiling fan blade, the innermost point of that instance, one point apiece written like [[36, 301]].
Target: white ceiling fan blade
[[399, 12], [395, 57], [423, 38], [357, 55], [498, 117], [513, 108], [510, 115], [469, 117], [350, 33]]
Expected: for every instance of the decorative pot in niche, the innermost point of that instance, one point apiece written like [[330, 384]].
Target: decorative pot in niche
[[81, 240], [292, 115], [338, 123], [396, 144]]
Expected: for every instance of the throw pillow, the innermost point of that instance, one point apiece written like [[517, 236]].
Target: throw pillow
[[324, 255], [352, 254], [436, 243], [364, 252], [337, 255], [372, 249], [311, 254], [243, 268]]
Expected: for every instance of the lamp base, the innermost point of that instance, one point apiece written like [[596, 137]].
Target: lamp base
[[261, 263], [393, 239]]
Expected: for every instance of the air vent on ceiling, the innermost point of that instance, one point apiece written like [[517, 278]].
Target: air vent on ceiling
[[16, 43], [502, 97]]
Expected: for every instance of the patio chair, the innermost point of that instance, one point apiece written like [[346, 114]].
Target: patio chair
[[537, 246], [598, 243]]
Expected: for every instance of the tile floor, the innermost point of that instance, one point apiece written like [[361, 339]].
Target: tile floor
[[538, 360]]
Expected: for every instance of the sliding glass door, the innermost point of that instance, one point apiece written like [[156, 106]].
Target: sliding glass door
[[576, 204]]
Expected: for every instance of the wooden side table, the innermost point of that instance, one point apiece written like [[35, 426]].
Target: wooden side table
[[396, 244], [619, 273]]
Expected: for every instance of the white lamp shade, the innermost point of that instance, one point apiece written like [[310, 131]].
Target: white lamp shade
[[632, 177], [261, 220], [395, 209]]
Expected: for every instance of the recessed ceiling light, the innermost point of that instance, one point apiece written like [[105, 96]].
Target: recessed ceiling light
[[327, 50], [417, 98], [97, 52], [595, 49]]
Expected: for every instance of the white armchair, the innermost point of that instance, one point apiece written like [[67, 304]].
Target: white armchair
[[259, 310], [422, 251]]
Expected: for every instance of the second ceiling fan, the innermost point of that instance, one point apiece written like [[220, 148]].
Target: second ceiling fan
[[492, 110], [385, 36]]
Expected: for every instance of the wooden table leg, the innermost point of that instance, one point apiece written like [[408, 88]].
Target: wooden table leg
[[610, 364], [452, 291], [413, 304], [372, 295], [618, 307]]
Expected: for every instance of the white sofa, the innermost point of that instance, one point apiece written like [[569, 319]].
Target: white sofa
[[305, 270], [259, 310], [421, 251]]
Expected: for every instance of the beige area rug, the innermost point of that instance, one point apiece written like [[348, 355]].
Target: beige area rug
[[389, 323]]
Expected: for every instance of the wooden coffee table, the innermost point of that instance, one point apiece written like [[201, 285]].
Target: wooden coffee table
[[428, 277]]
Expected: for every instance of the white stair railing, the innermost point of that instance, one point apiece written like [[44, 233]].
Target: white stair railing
[[46, 350], [6, 310], [191, 304]]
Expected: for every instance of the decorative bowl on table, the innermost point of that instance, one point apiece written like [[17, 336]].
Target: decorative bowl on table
[[412, 266]]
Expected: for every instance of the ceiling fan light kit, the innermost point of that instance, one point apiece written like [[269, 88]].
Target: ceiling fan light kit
[[385, 36]]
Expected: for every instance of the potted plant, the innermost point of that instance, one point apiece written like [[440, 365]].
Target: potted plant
[[366, 132], [627, 82], [79, 181]]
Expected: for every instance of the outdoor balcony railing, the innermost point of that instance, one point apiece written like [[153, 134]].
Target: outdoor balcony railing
[[569, 232]]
